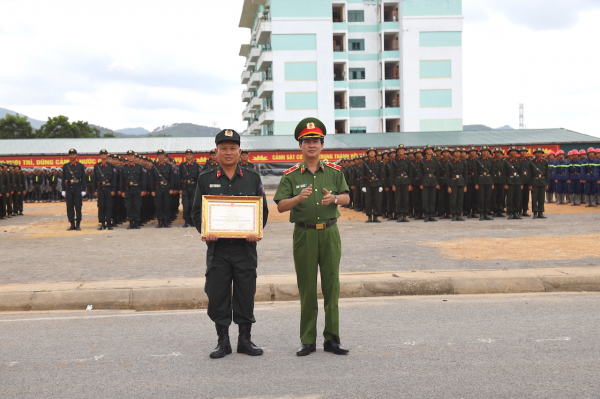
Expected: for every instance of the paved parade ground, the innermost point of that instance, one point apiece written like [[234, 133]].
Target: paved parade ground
[[501, 346], [36, 247]]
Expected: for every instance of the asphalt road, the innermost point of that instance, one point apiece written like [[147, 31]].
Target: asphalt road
[[505, 346]]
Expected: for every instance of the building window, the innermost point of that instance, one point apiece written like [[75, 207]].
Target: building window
[[357, 73], [357, 102], [356, 44], [360, 129], [356, 16]]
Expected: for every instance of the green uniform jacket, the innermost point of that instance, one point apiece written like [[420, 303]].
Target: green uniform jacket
[[402, 171], [539, 173], [311, 211], [498, 170], [442, 180], [512, 172], [133, 176], [525, 173], [429, 172], [388, 175], [485, 171], [415, 179], [456, 172], [471, 170], [373, 174]]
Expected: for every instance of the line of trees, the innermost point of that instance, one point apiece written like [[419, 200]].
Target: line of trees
[[18, 127]]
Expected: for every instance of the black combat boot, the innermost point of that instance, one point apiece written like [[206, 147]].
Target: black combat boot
[[78, 225], [525, 214], [486, 217], [136, 224], [102, 226], [454, 218], [223, 346], [166, 224], [130, 227], [108, 226], [535, 215], [245, 344], [481, 217], [369, 220], [516, 216], [472, 215], [159, 225], [375, 220], [459, 218], [70, 228], [185, 224], [541, 215]]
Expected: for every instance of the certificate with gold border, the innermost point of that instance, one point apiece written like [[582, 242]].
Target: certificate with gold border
[[232, 217]]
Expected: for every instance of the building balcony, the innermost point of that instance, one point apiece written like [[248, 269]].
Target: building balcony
[[255, 79], [266, 88], [263, 34], [256, 103], [247, 96], [246, 115], [264, 61], [255, 128], [266, 117], [254, 54], [246, 76]]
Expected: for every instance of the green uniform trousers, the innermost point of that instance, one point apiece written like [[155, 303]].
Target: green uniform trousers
[[537, 198], [513, 198], [373, 201], [457, 197], [428, 193], [402, 195], [314, 249], [231, 261]]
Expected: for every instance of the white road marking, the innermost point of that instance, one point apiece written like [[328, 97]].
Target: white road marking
[[179, 313], [12, 364], [554, 339], [486, 340], [171, 354], [413, 343], [96, 358]]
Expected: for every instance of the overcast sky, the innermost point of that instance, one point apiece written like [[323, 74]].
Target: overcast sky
[[150, 63]]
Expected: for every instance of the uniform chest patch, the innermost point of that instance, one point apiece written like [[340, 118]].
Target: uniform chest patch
[[302, 185], [215, 186]]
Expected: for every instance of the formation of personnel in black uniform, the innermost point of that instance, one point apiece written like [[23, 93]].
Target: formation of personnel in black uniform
[[447, 183]]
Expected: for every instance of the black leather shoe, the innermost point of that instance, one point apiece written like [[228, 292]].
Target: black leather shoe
[[333, 346], [481, 217], [535, 215], [516, 216], [486, 217], [102, 227], [165, 224], [130, 225], [525, 214], [306, 349], [245, 344], [375, 220], [432, 219], [136, 225], [369, 220], [223, 345], [69, 229], [453, 218], [109, 227], [460, 219], [159, 225], [541, 215], [185, 225]]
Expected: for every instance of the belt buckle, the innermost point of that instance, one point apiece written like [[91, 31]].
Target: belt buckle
[[320, 226], [485, 174]]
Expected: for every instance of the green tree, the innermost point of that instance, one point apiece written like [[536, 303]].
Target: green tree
[[108, 135], [60, 127], [15, 127]]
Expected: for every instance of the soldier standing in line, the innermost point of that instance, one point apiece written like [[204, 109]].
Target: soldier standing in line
[[37, 181], [484, 183], [53, 182], [3, 189], [498, 188], [391, 195], [356, 179], [14, 188], [551, 184], [133, 179], [312, 192], [417, 192], [456, 172], [539, 177], [176, 196], [373, 180], [73, 178], [385, 158], [429, 171], [105, 184], [89, 183], [244, 163], [512, 183], [212, 162], [230, 261], [189, 172], [574, 178], [119, 200], [162, 188], [525, 179], [442, 204], [560, 177], [470, 204], [589, 177], [401, 177], [21, 190]]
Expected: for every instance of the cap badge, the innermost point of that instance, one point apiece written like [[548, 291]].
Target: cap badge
[[228, 133], [310, 125]]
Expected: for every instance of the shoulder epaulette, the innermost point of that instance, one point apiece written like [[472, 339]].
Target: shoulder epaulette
[[205, 171], [333, 166], [290, 170]]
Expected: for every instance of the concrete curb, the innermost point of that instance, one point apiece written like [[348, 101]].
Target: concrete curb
[[177, 294]]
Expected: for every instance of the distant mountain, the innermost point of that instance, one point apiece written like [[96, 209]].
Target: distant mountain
[[185, 130], [34, 122], [103, 130], [133, 131], [476, 127], [505, 127]]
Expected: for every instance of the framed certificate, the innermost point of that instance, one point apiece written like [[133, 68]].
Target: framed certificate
[[232, 217]]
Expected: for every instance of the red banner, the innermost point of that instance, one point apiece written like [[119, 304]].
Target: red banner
[[201, 158]]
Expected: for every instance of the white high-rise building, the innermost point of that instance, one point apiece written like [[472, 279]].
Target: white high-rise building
[[360, 66]]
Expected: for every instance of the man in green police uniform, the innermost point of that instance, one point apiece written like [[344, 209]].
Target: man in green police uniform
[[312, 191], [230, 261]]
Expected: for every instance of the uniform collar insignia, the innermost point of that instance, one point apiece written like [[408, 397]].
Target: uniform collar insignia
[[241, 171], [302, 169], [218, 173]]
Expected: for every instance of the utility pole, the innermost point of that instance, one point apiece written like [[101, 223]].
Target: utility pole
[[521, 117]]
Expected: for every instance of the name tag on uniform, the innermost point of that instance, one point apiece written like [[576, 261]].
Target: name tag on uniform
[[215, 186], [302, 186]]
